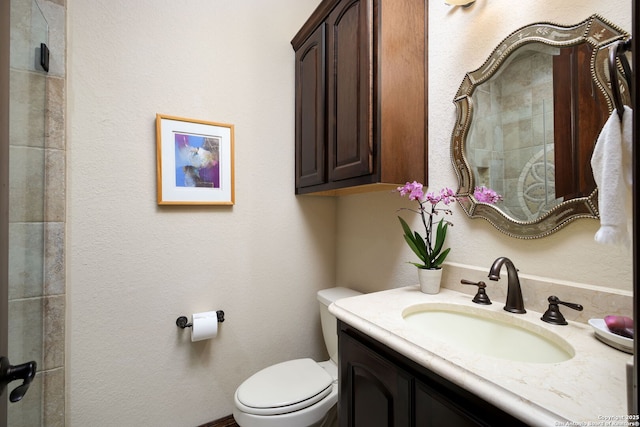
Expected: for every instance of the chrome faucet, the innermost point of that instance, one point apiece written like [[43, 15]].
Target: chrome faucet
[[514, 303]]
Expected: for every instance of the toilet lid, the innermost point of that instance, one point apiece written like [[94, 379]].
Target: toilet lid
[[285, 384]]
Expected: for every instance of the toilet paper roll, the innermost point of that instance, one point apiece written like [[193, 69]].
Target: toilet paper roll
[[205, 326]]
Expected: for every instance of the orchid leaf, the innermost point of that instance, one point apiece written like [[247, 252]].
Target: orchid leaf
[[420, 243], [413, 247], [415, 241], [405, 227], [427, 263], [441, 234], [417, 264], [438, 261]]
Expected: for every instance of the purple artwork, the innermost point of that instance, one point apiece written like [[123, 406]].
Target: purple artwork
[[197, 161]]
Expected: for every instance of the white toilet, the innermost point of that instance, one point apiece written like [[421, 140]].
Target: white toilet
[[296, 393]]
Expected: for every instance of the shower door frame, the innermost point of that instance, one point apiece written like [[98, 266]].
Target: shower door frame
[[23, 167], [5, 38]]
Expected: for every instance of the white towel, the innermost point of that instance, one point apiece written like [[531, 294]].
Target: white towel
[[612, 169]]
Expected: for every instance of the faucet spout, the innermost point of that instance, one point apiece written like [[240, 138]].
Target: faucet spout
[[515, 303]]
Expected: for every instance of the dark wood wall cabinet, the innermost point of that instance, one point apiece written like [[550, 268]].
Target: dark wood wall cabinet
[[361, 96], [381, 388]]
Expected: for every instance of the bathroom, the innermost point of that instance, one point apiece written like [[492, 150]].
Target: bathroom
[[131, 267]]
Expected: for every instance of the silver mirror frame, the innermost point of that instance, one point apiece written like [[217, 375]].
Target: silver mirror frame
[[596, 31]]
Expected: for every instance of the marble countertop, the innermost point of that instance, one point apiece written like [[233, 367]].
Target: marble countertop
[[590, 387]]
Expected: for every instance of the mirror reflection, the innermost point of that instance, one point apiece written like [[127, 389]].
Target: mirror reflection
[[538, 105], [528, 120]]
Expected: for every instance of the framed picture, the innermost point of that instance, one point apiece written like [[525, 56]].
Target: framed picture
[[195, 162]]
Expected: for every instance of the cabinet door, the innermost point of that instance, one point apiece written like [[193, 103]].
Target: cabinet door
[[373, 391], [433, 410], [350, 89], [310, 110]]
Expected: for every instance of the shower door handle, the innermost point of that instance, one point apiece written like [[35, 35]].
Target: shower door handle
[[8, 373]]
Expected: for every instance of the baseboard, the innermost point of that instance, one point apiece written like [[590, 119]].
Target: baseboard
[[222, 422]]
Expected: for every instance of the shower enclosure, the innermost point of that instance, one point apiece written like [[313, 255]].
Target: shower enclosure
[[31, 224]]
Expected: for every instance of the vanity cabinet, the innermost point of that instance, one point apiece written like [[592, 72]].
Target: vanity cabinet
[[381, 388], [361, 96]]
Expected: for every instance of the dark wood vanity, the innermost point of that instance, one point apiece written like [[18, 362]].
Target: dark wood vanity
[[380, 387], [361, 96]]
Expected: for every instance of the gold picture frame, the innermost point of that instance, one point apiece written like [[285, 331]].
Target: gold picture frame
[[195, 161]]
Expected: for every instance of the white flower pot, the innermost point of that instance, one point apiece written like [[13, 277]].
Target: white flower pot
[[430, 280]]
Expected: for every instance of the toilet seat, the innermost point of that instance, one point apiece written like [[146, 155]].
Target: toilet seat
[[285, 387]]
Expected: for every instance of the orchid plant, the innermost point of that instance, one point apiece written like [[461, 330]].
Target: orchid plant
[[486, 195], [429, 248]]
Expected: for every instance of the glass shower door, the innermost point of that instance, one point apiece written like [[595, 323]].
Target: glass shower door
[[26, 216]]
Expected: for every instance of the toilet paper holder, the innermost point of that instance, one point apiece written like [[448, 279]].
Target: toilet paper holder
[[183, 321]]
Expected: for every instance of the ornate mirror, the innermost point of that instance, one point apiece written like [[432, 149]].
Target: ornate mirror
[[527, 122]]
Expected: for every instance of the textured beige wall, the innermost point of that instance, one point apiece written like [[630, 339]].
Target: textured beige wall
[[371, 251], [134, 267]]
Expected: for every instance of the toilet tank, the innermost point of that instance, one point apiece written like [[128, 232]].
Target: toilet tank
[[328, 320]]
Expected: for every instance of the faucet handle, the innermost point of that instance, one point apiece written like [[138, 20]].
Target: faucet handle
[[553, 315], [481, 297]]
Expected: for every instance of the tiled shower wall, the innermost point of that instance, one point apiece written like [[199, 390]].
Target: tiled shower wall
[[527, 125], [37, 214], [516, 129]]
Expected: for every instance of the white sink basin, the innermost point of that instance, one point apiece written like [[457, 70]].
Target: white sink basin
[[491, 333]]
